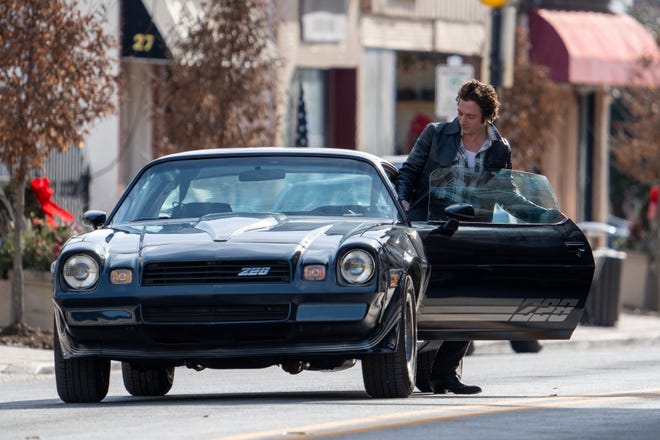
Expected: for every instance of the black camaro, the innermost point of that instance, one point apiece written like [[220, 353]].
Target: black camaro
[[303, 258]]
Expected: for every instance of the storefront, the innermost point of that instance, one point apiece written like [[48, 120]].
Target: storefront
[[403, 45], [588, 52]]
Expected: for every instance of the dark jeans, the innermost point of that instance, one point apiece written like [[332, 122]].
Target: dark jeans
[[448, 359]]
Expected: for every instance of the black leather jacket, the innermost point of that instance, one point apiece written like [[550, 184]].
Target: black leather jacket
[[436, 147]]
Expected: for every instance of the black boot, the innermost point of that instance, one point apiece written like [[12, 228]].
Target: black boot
[[453, 383]]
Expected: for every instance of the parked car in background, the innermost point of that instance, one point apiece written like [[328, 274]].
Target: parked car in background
[[301, 258]]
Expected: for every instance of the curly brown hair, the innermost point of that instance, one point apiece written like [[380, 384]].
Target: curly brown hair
[[485, 97]]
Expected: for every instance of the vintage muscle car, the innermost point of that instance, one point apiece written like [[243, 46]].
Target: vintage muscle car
[[303, 258]]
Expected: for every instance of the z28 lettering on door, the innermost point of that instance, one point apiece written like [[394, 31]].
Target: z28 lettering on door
[[544, 309]]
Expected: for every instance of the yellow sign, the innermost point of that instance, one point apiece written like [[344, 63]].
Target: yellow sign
[[143, 42], [494, 3]]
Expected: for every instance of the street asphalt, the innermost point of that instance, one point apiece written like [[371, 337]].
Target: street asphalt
[[632, 328]]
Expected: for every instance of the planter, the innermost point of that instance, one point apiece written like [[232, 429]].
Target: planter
[[37, 299], [5, 302], [636, 285]]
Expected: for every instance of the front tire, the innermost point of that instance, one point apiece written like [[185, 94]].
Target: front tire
[[392, 375], [155, 381], [80, 380]]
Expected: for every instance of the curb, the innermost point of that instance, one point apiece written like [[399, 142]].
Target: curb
[[28, 369], [480, 348], [503, 347], [38, 368]]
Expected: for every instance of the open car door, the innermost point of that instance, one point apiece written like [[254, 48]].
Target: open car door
[[514, 269]]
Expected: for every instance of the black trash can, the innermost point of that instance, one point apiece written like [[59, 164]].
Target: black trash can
[[604, 301]]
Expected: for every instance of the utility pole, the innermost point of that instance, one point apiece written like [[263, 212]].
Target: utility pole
[[495, 63], [496, 48]]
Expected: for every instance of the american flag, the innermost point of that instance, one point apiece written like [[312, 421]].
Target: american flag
[[301, 121]]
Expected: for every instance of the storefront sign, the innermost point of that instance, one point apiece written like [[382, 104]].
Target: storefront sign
[[140, 37], [448, 79], [323, 22]]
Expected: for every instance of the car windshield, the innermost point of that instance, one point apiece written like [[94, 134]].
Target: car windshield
[[192, 188], [503, 196]]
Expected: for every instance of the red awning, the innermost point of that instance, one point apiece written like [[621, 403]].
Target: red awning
[[591, 48]]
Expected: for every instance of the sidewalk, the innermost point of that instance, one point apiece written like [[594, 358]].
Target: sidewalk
[[631, 329]]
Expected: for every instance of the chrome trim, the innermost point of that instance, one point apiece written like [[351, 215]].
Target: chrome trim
[[101, 316]]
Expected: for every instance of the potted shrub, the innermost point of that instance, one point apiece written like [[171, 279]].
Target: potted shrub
[[41, 244]]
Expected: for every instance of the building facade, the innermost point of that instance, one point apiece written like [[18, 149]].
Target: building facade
[[368, 68]]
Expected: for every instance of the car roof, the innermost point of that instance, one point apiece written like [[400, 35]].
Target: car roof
[[274, 151], [396, 160]]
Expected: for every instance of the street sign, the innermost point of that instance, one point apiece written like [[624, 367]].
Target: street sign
[[448, 79]]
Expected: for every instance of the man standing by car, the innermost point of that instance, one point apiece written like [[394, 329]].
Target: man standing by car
[[470, 140]]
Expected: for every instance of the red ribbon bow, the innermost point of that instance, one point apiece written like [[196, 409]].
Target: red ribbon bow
[[653, 203], [43, 191]]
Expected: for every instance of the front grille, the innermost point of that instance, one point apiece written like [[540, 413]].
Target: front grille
[[215, 272], [216, 314]]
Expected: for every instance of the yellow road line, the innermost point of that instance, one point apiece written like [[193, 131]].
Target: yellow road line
[[419, 417]]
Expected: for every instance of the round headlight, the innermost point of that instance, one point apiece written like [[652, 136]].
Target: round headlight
[[357, 266], [80, 271]]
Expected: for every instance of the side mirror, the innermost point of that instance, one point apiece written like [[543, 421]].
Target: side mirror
[[460, 211], [456, 213], [94, 218]]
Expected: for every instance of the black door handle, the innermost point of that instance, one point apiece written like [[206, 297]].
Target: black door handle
[[578, 246]]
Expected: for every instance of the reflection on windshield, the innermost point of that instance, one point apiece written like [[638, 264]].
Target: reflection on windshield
[[311, 186], [503, 196]]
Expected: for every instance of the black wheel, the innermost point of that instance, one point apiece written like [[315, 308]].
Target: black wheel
[[390, 375], [423, 371], [80, 380], [526, 346], [139, 381]]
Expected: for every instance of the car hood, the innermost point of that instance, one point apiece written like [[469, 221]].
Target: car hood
[[266, 236]]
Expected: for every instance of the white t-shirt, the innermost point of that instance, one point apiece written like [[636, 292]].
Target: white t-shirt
[[471, 158]]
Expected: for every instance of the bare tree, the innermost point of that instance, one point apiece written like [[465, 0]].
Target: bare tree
[[647, 12], [635, 139], [223, 81], [54, 80], [636, 152], [635, 143], [532, 109]]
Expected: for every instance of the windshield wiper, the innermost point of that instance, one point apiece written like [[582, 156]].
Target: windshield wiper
[[146, 219]]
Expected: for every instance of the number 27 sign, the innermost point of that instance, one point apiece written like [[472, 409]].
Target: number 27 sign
[[143, 42]]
